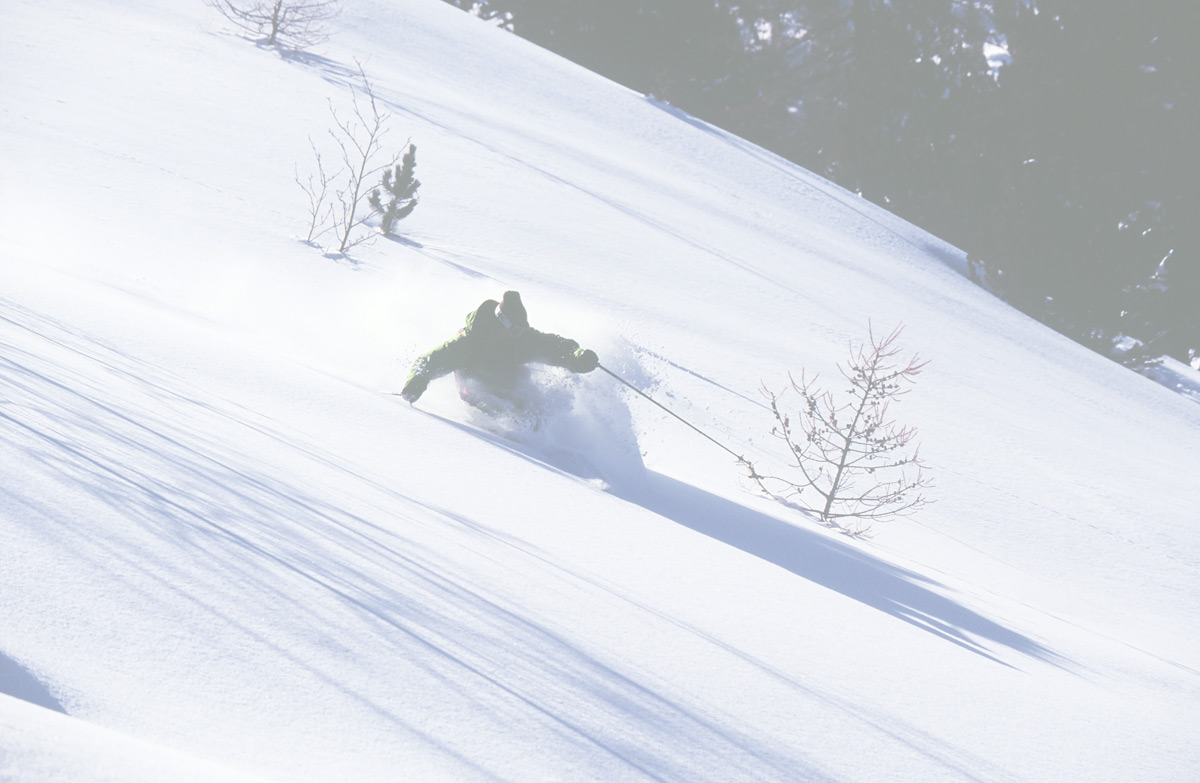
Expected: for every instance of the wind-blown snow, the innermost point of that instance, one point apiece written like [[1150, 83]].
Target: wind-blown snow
[[224, 553]]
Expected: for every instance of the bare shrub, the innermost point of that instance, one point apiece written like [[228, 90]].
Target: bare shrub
[[292, 24], [850, 457], [359, 139]]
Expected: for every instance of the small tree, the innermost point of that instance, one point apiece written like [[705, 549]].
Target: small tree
[[360, 140], [402, 186], [851, 456], [294, 24]]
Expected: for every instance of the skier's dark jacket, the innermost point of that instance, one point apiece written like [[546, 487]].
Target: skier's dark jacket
[[487, 350]]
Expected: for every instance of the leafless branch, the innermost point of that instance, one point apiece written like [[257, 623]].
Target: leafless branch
[[292, 24], [320, 211], [852, 456], [360, 139], [340, 202]]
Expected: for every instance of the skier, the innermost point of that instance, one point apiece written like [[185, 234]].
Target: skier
[[492, 350]]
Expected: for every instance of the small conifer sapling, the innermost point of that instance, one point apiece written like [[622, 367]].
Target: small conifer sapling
[[400, 187]]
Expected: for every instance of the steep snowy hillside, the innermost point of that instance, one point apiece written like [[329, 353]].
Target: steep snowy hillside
[[224, 553]]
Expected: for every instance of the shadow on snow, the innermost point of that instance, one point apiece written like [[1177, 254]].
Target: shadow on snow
[[838, 566], [18, 682], [208, 513], [188, 498]]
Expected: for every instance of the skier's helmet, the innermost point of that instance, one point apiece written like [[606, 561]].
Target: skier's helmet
[[511, 312]]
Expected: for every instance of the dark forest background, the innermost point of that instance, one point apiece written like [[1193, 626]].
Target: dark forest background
[[1053, 140]]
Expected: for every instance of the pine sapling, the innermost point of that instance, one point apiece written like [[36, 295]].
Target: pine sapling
[[401, 185]]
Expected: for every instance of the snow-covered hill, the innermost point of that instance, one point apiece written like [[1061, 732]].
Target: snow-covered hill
[[223, 553]]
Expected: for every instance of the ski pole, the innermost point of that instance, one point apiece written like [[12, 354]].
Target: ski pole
[[619, 379]]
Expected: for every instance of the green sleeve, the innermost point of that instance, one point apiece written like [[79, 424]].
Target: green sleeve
[[446, 358], [550, 349]]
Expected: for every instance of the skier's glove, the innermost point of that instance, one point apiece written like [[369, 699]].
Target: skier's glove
[[414, 388], [586, 360]]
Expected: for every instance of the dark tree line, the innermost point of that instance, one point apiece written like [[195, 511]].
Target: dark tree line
[[1067, 172]]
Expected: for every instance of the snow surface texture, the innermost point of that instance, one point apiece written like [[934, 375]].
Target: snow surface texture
[[223, 552]]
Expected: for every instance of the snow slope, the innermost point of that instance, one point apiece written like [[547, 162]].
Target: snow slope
[[224, 554]]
